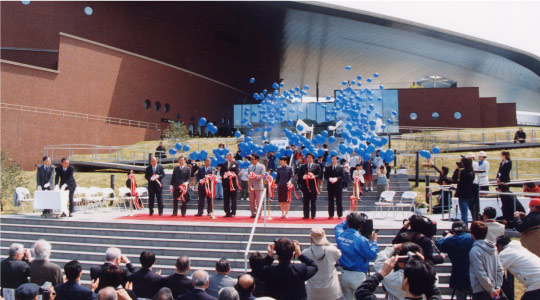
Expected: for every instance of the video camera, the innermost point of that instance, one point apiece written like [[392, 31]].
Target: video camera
[[423, 225], [360, 222]]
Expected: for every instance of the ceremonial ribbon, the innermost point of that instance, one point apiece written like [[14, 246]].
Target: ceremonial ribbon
[[291, 188], [183, 191], [231, 175], [358, 187], [271, 185], [353, 203], [210, 185], [134, 194], [311, 176], [250, 178]]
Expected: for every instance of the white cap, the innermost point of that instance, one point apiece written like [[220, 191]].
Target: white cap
[[470, 155], [482, 153]]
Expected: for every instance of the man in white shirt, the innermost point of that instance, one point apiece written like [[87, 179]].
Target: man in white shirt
[[483, 171], [495, 228]]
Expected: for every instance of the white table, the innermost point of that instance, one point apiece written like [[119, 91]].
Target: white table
[[55, 200], [455, 213]]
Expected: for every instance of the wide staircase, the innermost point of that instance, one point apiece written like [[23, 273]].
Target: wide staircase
[[87, 241], [398, 183]]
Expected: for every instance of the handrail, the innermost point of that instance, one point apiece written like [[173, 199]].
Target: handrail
[[63, 113], [246, 253]]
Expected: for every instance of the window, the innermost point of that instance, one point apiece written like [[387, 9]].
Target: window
[[457, 115], [25, 2], [435, 115], [88, 10], [413, 116], [166, 107], [157, 105], [147, 104]]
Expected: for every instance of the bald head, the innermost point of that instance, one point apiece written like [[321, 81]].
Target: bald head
[[200, 279], [153, 161], [246, 283], [108, 293]]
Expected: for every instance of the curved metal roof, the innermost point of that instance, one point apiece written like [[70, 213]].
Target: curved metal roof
[[320, 39]]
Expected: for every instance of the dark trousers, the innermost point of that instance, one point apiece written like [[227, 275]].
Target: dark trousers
[[183, 205], [71, 207], [532, 295], [474, 205], [309, 199], [334, 194], [229, 200], [202, 197], [152, 194]]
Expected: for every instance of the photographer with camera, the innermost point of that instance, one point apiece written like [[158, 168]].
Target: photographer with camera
[[15, 268], [420, 229], [419, 279], [392, 282], [286, 281], [457, 243], [358, 244]]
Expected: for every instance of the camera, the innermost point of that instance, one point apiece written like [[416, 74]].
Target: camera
[[44, 290], [423, 225]]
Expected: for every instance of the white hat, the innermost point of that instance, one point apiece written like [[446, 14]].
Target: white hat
[[318, 236], [470, 155], [482, 153]]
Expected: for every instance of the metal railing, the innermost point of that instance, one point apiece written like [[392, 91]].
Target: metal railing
[[255, 222], [87, 117]]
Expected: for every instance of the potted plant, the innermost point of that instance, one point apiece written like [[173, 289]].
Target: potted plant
[[420, 208]]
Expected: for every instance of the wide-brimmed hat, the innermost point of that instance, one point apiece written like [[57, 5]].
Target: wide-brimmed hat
[[470, 155], [482, 153], [318, 236]]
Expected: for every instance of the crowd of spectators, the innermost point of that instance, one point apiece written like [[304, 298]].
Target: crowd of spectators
[[478, 254]]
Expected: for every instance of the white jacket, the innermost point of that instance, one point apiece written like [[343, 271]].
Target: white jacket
[[324, 285], [392, 282], [483, 178], [522, 263]]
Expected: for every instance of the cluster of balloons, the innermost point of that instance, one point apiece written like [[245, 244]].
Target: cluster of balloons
[[356, 105], [427, 155]]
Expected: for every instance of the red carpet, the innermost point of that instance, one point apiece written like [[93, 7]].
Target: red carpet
[[237, 219]]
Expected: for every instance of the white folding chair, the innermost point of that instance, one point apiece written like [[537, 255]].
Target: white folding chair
[[386, 200], [23, 196], [78, 197], [108, 196], [143, 195], [94, 197], [124, 195], [406, 201]]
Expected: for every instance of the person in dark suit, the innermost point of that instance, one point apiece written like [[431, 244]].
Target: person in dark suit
[[45, 178], [154, 173], [333, 175], [503, 174], [309, 186], [71, 289], [201, 174], [15, 269], [229, 191], [146, 283], [180, 176], [179, 282], [200, 284], [64, 176], [286, 281], [113, 256]]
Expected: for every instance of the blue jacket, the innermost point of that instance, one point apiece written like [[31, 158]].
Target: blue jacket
[[458, 247], [356, 249]]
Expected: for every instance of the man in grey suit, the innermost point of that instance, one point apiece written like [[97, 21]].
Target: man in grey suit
[[256, 184], [221, 279], [45, 178]]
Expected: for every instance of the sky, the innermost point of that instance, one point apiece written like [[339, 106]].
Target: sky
[[511, 23]]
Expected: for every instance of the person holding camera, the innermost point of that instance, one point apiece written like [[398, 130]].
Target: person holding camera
[[457, 243], [393, 281], [419, 279], [358, 245], [15, 268], [420, 230], [529, 226], [286, 281]]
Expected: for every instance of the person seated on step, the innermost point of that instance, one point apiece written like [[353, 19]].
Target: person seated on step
[[221, 279]]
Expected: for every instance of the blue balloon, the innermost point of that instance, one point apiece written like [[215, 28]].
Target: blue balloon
[[186, 148], [366, 157], [203, 155], [348, 68], [178, 146], [425, 154], [274, 175], [324, 133], [389, 159], [436, 150], [251, 80], [370, 149], [375, 75], [331, 139], [194, 155], [333, 153], [299, 127], [172, 151], [237, 134], [202, 121]]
